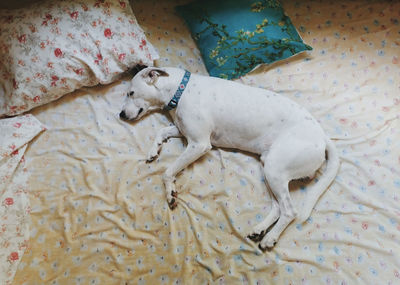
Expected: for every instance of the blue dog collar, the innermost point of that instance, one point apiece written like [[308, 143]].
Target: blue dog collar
[[182, 86]]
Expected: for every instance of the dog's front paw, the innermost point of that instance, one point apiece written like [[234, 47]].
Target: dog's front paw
[[152, 155]]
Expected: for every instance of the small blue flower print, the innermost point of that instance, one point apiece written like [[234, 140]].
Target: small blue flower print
[[320, 259], [289, 269]]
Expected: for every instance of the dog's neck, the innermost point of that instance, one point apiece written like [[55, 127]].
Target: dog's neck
[[168, 86], [173, 103]]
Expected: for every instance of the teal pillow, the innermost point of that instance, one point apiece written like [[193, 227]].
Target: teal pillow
[[235, 36]]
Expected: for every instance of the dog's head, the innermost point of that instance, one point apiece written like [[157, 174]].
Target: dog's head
[[144, 94]]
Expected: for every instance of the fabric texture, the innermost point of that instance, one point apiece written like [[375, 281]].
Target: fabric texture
[[99, 213], [169, 34], [16, 133], [52, 48], [236, 36]]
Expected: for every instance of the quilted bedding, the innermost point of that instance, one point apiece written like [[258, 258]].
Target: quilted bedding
[[98, 211]]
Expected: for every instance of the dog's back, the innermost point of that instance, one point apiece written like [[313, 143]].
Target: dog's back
[[241, 116]]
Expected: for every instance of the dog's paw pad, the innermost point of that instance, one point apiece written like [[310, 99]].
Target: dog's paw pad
[[151, 156], [150, 160], [257, 237], [253, 237], [263, 249], [172, 204]]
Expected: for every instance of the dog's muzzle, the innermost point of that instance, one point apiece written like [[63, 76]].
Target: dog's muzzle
[[123, 115]]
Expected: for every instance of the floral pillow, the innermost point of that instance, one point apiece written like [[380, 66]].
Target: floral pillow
[[235, 36], [54, 47]]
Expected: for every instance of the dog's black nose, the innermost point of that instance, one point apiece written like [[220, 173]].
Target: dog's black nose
[[122, 115]]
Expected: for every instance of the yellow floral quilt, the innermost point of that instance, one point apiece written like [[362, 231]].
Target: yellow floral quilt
[[98, 211]]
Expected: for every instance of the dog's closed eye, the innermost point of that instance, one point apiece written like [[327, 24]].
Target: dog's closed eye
[[140, 110], [129, 94]]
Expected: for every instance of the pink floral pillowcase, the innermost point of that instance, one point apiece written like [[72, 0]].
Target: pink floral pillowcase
[[54, 47]]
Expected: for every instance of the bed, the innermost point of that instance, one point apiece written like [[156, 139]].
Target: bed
[[92, 211]]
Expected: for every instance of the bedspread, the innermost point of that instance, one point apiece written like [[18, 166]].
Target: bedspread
[[16, 133], [99, 214]]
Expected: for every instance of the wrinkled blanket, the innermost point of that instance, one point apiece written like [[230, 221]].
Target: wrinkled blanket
[[15, 135], [99, 214]]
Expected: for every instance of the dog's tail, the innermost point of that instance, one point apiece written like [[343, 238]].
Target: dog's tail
[[315, 191]]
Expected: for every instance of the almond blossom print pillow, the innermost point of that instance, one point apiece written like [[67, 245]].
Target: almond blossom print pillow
[[54, 47]]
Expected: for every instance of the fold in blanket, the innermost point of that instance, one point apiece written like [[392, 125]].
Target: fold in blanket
[[15, 134]]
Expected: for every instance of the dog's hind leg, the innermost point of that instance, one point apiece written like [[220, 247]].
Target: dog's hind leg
[[161, 136], [193, 151], [288, 159]]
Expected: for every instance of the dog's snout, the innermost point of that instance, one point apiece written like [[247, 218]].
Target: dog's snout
[[122, 115], [140, 110]]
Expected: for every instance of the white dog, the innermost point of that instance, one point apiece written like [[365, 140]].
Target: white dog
[[227, 114]]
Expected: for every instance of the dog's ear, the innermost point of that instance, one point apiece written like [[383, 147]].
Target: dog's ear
[[136, 69], [153, 74]]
